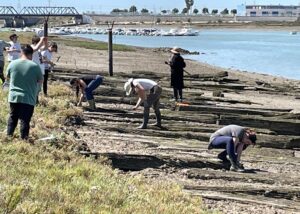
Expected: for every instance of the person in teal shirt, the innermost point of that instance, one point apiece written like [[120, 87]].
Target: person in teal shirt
[[24, 78]]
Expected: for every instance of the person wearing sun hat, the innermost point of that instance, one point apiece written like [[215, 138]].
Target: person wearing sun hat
[[234, 139], [148, 92], [177, 66]]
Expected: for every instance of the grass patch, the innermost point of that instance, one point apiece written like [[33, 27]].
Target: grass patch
[[25, 38], [43, 178], [91, 44]]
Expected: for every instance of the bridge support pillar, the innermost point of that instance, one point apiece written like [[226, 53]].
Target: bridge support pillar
[[18, 22], [78, 20], [8, 22]]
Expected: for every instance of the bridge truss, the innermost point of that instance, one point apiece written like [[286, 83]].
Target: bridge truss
[[52, 11], [39, 11], [8, 10]]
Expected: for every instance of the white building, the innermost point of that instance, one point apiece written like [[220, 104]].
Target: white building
[[272, 10]]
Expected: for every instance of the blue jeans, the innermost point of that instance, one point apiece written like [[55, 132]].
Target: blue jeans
[[225, 142], [92, 86]]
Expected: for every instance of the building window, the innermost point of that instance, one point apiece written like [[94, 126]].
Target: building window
[[252, 13], [275, 13], [265, 13]]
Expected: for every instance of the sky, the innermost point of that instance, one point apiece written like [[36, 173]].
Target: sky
[[152, 5]]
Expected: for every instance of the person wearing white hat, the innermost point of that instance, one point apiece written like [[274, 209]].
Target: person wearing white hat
[[177, 66], [149, 93]]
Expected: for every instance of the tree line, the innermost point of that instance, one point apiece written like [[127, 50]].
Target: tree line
[[187, 10]]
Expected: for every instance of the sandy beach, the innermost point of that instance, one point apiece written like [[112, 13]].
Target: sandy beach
[[147, 59]]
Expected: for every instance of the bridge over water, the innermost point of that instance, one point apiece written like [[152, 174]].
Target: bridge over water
[[31, 15]]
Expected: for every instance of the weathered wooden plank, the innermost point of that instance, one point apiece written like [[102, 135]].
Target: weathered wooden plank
[[227, 110], [270, 191], [136, 162], [283, 204]]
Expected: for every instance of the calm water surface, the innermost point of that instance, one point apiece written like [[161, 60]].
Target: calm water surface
[[270, 52]]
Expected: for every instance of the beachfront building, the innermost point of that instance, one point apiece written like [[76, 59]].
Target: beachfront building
[[272, 10]]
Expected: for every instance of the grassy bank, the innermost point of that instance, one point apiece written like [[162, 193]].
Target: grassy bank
[[48, 177], [25, 37]]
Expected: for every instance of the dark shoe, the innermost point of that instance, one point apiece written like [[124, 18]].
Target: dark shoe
[[209, 146], [236, 168], [92, 104], [241, 166]]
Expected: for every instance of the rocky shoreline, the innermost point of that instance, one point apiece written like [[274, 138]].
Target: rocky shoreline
[[179, 152]]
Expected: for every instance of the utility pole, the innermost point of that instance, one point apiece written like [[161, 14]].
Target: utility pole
[[49, 3]]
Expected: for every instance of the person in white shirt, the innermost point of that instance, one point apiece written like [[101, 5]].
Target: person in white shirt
[[36, 45], [149, 93], [14, 50], [3, 46], [47, 60]]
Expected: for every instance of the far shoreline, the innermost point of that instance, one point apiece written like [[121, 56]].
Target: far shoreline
[[256, 74]]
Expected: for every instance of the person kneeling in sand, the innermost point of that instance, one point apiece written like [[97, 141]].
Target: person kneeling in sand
[[86, 85], [234, 139], [149, 93]]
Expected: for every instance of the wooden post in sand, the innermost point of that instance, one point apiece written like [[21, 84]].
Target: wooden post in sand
[[46, 26], [110, 49]]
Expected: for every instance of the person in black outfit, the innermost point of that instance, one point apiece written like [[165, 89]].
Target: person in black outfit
[[177, 65], [86, 85]]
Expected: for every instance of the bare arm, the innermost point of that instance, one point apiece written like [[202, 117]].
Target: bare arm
[[38, 45], [239, 151], [80, 100], [141, 94], [82, 88]]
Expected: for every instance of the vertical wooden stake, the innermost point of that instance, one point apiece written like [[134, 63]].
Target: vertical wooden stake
[[110, 49]]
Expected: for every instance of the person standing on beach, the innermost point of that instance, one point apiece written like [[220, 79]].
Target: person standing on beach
[[24, 77], [234, 139], [86, 85], [149, 93], [3, 46], [15, 48], [47, 60], [177, 65]]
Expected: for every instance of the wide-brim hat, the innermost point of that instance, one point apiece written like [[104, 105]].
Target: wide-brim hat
[[175, 50], [127, 87]]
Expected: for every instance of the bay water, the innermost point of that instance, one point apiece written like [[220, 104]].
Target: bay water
[[270, 52]]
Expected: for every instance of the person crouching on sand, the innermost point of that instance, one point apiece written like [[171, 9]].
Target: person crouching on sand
[[85, 87], [234, 139], [149, 93]]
